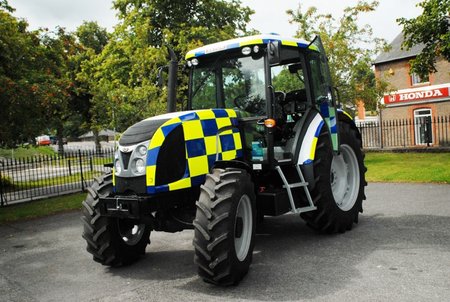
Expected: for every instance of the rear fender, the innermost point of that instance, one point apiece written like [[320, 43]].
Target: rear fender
[[305, 140], [303, 144]]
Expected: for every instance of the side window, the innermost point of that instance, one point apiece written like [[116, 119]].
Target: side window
[[233, 85], [288, 78], [318, 81], [203, 89], [243, 85], [417, 80]]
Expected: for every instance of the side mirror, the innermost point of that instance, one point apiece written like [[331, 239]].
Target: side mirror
[[273, 51]]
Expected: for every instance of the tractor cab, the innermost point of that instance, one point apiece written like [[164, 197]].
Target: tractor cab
[[264, 79]]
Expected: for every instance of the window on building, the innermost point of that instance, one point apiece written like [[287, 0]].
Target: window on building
[[416, 79], [422, 126]]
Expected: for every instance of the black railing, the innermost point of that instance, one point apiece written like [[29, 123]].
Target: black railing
[[30, 178], [406, 133]]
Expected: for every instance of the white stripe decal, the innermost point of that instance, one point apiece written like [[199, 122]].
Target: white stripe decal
[[308, 140]]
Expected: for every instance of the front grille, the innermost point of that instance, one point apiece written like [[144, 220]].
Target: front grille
[[136, 185], [125, 159]]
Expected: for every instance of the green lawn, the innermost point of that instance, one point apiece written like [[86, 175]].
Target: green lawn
[[41, 208], [408, 167], [53, 181], [30, 151]]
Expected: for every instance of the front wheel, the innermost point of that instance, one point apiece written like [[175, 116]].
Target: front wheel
[[225, 226], [340, 182], [111, 241]]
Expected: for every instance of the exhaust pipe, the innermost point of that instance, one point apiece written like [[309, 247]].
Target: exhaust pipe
[[172, 82]]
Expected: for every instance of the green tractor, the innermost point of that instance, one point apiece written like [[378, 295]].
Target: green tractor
[[261, 136]]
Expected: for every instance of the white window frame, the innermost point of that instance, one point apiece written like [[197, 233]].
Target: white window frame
[[417, 80]]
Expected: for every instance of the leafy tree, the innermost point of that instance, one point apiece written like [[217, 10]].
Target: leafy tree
[[92, 40], [432, 29], [123, 76], [350, 50], [57, 87], [20, 71]]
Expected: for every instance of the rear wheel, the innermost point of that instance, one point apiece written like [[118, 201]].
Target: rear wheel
[[225, 226], [340, 182], [111, 241]]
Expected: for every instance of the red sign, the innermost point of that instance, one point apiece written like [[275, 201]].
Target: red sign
[[417, 95]]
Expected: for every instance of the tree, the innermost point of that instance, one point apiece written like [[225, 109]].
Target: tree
[[92, 39], [350, 50], [123, 76], [432, 29], [57, 87], [20, 71], [35, 87]]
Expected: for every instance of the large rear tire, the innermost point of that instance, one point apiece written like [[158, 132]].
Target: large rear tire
[[225, 227], [340, 182], [111, 241]]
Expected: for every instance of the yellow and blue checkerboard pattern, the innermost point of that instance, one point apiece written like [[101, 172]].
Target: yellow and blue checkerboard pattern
[[329, 114], [209, 135]]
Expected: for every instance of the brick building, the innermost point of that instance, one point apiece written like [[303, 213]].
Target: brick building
[[422, 101]]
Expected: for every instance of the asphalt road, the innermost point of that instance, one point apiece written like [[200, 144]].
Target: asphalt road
[[399, 251]]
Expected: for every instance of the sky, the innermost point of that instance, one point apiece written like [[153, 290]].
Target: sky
[[269, 17]]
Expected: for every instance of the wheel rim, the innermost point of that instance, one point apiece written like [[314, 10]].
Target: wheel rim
[[345, 178], [243, 228], [130, 233]]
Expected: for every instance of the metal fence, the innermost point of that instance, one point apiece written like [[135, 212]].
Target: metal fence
[[30, 178], [406, 133]]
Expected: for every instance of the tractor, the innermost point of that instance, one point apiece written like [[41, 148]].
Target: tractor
[[261, 134]]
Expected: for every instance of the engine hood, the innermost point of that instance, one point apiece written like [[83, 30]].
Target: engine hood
[[145, 129]]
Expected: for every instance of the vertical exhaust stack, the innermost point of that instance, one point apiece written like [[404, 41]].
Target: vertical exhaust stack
[[172, 82]]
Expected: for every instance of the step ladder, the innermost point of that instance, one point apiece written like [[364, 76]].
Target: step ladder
[[289, 187]]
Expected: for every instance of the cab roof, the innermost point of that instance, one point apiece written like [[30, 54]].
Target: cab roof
[[245, 41]]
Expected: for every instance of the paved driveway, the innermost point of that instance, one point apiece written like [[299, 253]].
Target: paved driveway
[[400, 251]]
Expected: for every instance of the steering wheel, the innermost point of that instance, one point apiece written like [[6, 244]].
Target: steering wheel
[[280, 97], [239, 101], [251, 104]]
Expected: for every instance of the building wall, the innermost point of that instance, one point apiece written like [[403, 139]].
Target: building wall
[[399, 77], [407, 111], [400, 127], [443, 74]]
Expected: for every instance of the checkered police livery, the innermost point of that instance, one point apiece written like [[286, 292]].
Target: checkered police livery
[[209, 135]]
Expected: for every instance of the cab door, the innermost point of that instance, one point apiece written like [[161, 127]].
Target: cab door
[[322, 88]]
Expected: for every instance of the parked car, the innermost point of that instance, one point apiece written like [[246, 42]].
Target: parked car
[[43, 140], [53, 139]]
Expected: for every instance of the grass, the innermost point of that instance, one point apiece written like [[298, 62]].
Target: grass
[[22, 152], [408, 167], [41, 208], [53, 181]]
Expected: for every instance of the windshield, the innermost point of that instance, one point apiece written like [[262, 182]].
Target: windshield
[[235, 82]]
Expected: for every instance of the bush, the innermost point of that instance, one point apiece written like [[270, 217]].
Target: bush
[[6, 181]]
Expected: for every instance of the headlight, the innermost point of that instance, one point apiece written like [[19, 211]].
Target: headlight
[[118, 167], [139, 165], [142, 150]]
